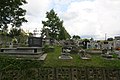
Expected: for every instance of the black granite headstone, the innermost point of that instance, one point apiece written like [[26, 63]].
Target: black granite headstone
[[35, 42]]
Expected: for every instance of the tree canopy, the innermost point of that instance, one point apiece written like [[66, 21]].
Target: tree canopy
[[11, 13], [76, 37], [53, 27], [14, 32]]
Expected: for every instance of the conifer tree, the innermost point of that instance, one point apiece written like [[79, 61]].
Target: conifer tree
[[54, 27]]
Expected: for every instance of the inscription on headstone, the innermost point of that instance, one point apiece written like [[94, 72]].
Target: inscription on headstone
[[35, 42]]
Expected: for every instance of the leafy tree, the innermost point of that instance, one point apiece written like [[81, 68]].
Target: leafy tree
[[110, 39], [91, 39], [19, 34], [14, 32], [63, 34], [11, 13], [85, 41], [76, 37], [53, 27], [30, 34], [22, 38]]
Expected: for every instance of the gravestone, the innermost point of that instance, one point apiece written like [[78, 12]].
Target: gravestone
[[84, 55], [35, 42], [11, 45], [117, 52], [65, 54], [106, 54], [34, 51]]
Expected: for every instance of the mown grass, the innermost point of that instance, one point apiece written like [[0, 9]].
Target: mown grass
[[52, 60]]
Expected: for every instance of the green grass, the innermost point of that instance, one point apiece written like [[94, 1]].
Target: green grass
[[8, 63], [52, 60], [95, 61]]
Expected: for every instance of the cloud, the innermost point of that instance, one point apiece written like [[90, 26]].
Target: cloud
[[36, 10], [93, 18], [90, 18], [108, 13], [80, 18]]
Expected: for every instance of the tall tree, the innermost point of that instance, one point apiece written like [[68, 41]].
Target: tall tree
[[53, 26], [64, 34], [11, 13]]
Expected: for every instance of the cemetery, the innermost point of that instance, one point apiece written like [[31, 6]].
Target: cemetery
[[53, 68], [51, 53], [62, 60]]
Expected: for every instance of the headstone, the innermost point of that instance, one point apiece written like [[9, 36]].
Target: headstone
[[104, 51], [84, 55], [65, 54], [35, 42], [106, 54], [11, 45]]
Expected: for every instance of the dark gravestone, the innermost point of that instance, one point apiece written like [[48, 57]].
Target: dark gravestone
[[35, 42], [52, 41]]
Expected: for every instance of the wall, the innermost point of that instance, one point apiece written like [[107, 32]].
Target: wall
[[61, 73]]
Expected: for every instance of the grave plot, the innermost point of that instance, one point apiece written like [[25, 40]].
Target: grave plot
[[65, 54], [84, 55], [23, 52], [107, 54], [34, 51]]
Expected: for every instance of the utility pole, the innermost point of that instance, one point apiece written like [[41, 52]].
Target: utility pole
[[105, 36]]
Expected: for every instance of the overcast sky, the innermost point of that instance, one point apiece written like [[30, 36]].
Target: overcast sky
[[87, 18]]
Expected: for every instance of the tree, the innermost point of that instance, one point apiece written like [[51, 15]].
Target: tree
[[30, 34], [76, 37], [11, 13], [14, 32], [64, 34], [22, 38], [85, 41], [91, 39], [110, 39], [53, 27]]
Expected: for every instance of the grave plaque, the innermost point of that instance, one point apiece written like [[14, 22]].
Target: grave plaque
[[35, 42]]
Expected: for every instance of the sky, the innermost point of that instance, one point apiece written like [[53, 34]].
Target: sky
[[86, 18]]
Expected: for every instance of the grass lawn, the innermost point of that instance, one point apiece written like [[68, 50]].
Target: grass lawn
[[52, 60]]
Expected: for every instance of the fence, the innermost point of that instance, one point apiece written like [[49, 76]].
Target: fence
[[61, 73]]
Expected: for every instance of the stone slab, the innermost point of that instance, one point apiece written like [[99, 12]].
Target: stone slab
[[43, 57], [22, 50], [65, 57]]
